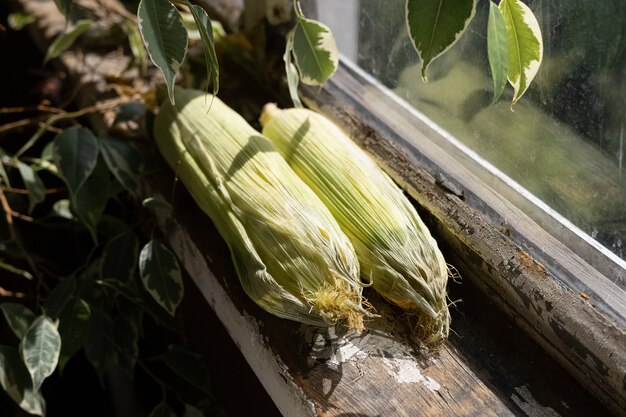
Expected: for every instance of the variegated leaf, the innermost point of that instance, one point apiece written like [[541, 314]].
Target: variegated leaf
[[161, 275], [436, 25], [40, 349], [314, 50], [497, 48], [525, 45]]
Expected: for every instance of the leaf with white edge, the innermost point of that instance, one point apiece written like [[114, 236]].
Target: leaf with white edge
[[65, 40], [3, 173], [189, 366], [16, 382], [18, 317], [40, 349], [162, 410], [75, 153], [497, 48], [206, 36], [73, 326], [124, 161], [156, 203], [59, 297], [436, 25], [314, 50], [90, 201], [525, 45], [119, 257], [33, 183], [62, 209], [293, 79], [164, 36], [161, 275]]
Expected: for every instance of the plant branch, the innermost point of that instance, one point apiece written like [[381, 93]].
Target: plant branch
[[100, 106], [9, 214]]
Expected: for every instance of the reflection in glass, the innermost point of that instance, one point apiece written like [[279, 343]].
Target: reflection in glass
[[564, 141]]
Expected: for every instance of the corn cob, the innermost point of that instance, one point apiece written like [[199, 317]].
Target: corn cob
[[290, 254], [395, 249]]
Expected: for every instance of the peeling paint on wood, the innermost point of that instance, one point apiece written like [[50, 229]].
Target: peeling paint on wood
[[525, 401]]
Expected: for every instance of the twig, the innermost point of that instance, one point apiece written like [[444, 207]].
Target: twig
[[7, 127], [9, 214], [100, 106], [25, 191], [38, 107]]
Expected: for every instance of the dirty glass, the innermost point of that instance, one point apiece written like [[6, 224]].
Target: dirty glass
[[563, 141]]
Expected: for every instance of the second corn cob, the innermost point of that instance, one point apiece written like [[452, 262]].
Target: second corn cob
[[395, 249]]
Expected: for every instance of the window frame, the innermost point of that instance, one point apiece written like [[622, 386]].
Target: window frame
[[480, 216]]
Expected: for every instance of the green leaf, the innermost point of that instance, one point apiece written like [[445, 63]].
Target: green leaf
[[156, 203], [59, 297], [73, 326], [65, 7], [314, 50], [497, 48], [206, 36], [15, 380], [293, 79], [40, 349], [100, 346], [18, 317], [164, 36], [124, 161], [119, 258], [525, 45], [436, 25], [33, 183], [3, 173], [18, 21], [75, 153], [161, 275], [132, 110], [162, 410], [90, 201], [189, 366], [66, 39]]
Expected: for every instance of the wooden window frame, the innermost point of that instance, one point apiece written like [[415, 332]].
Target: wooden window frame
[[512, 243]]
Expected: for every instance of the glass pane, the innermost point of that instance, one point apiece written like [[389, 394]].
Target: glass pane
[[563, 141]]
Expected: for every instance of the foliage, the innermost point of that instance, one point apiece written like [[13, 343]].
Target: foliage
[[96, 303], [85, 183]]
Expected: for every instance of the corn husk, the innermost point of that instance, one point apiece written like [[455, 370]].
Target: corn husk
[[290, 254], [395, 249]]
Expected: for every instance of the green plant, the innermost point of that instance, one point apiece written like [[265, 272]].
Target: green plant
[[94, 293]]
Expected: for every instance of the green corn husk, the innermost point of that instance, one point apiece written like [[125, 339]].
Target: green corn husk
[[394, 247], [290, 254]]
